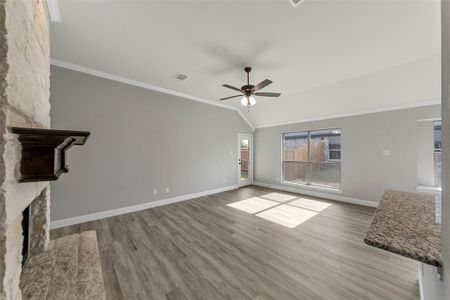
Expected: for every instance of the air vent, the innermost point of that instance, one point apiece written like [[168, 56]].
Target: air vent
[[180, 76], [295, 2]]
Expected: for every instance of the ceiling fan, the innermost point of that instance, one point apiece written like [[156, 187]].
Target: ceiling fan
[[249, 90]]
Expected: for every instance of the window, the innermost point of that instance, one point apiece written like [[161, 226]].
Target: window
[[437, 127], [313, 157]]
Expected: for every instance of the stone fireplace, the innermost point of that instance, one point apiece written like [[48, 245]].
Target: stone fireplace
[[24, 102]]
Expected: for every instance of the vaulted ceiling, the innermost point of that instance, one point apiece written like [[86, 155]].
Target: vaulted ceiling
[[327, 58]]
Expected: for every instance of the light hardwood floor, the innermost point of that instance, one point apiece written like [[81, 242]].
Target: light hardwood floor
[[250, 243]]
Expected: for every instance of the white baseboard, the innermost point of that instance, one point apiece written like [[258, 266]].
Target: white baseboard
[[132, 208], [330, 196]]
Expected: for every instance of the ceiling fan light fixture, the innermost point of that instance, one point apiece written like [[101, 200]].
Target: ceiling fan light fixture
[[249, 90], [248, 101]]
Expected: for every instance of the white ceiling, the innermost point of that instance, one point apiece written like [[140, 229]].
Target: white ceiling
[[327, 58]]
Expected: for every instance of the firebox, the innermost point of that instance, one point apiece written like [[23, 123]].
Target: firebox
[[26, 234]]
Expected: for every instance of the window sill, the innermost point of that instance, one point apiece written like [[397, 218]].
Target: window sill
[[313, 187], [429, 189]]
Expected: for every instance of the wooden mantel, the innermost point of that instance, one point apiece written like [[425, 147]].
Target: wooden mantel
[[44, 152]]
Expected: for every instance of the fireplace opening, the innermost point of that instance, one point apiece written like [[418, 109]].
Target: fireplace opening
[[26, 233]]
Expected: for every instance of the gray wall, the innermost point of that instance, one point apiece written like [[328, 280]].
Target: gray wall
[[365, 171], [140, 140]]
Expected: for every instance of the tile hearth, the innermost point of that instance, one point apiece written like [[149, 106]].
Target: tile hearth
[[69, 269]]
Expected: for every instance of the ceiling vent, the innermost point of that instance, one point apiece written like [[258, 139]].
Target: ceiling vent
[[180, 76], [295, 3]]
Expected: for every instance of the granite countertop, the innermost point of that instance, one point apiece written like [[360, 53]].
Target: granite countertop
[[404, 223]]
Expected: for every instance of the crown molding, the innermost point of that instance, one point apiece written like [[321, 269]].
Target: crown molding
[[105, 75], [357, 113], [244, 117], [101, 74]]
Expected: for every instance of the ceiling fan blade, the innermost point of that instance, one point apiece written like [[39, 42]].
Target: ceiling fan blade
[[232, 87], [226, 98], [268, 94], [262, 85]]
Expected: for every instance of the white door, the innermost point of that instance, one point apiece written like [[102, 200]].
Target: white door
[[245, 159]]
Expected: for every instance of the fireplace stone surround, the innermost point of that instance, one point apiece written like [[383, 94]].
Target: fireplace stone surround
[[24, 102]]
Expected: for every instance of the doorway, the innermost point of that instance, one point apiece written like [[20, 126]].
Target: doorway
[[245, 159]]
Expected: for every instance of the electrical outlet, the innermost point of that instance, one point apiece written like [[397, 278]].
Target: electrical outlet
[[167, 190], [224, 180], [386, 152], [155, 192]]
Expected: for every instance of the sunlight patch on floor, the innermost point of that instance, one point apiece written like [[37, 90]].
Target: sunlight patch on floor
[[310, 204], [283, 209], [253, 205], [287, 215], [278, 197]]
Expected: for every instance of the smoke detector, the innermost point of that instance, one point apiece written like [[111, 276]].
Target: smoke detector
[[295, 3], [180, 76]]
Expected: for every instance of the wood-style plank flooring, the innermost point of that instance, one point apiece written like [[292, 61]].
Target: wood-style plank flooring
[[250, 243]]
